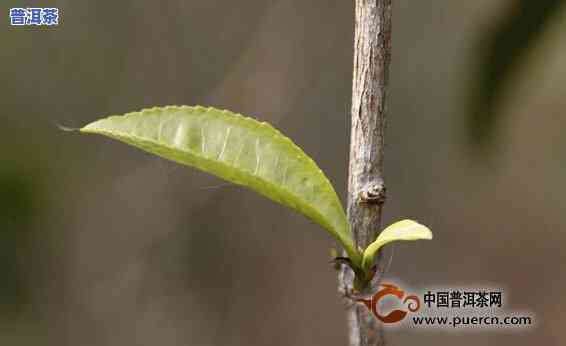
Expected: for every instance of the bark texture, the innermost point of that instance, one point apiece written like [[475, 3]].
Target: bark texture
[[366, 189]]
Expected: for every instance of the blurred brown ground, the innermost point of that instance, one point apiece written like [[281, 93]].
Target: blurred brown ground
[[106, 245]]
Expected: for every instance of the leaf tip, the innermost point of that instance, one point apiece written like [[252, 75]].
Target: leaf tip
[[410, 228], [88, 128], [92, 127]]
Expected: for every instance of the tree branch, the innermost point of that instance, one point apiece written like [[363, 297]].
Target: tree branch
[[366, 189]]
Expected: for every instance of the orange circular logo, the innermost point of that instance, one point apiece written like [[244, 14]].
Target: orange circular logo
[[412, 301]]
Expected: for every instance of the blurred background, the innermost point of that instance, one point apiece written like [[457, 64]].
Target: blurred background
[[102, 244]]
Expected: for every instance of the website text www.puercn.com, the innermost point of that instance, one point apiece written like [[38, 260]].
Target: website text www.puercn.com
[[461, 321]]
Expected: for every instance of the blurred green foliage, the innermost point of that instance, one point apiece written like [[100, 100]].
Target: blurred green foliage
[[503, 48], [18, 209]]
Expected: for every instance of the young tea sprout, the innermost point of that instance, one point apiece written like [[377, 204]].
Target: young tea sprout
[[253, 154]]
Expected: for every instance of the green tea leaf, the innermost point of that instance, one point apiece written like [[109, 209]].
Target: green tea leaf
[[401, 230], [240, 150]]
